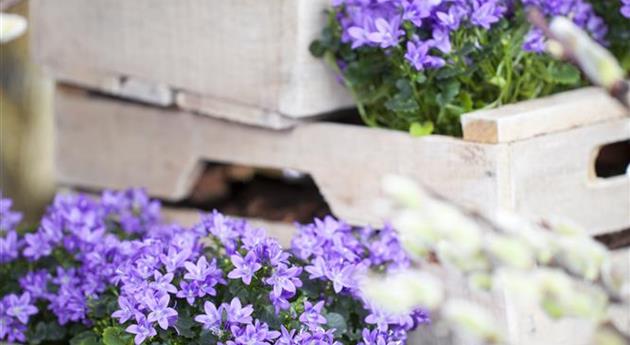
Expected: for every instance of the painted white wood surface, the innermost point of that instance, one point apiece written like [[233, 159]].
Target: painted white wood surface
[[108, 143], [249, 52]]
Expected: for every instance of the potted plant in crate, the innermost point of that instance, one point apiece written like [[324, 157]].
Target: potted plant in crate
[[420, 65], [107, 271]]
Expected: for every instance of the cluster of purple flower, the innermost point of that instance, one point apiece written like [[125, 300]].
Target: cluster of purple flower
[[9, 246], [222, 274], [74, 231], [424, 27], [338, 254]]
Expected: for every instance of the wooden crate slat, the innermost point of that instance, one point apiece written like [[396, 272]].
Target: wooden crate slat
[[248, 52], [123, 144], [541, 116]]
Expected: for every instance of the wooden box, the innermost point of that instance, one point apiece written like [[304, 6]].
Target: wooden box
[[245, 60], [536, 158]]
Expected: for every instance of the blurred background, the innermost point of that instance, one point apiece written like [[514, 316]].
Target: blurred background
[[26, 127]]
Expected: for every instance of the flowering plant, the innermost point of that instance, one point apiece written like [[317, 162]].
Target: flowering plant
[[419, 64], [108, 271]]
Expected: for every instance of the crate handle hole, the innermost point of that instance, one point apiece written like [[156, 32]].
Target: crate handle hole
[[279, 195], [612, 159]]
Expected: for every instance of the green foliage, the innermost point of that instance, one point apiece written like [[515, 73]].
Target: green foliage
[[337, 322], [486, 69], [86, 338], [116, 336]]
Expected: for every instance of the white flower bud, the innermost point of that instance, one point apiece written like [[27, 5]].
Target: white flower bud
[[599, 65], [402, 291], [416, 233], [510, 251], [583, 256], [473, 320], [403, 190], [11, 26]]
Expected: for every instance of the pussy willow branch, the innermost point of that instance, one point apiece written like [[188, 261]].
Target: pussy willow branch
[[6, 4], [619, 89], [488, 223]]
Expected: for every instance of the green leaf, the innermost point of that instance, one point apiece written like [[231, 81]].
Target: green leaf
[[450, 90], [85, 338], [336, 321], [564, 74], [115, 336], [421, 129], [498, 80], [184, 326], [317, 49]]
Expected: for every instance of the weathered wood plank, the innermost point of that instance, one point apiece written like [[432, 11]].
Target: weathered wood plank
[[107, 143], [248, 52], [553, 176], [541, 116]]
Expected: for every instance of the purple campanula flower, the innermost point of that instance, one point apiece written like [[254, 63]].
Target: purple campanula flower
[[19, 307], [211, 319], [256, 334], [312, 316], [36, 283], [451, 18], [625, 8], [244, 268], [341, 277], [143, 329], [221, 227], [160, 311], [189, 291], [127, 310], [534, 41], [162, 282], [418, 56], [285, 279], [317, 269], [236, 313], [279, 302], [37, 246], [175, 258], [441, 40], [485, 13], [387, 32], [9, 247], [8, 219], [287, 337], [417, 10], [199, 271]]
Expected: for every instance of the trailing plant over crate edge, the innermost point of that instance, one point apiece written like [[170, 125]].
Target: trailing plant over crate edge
[[418, 65], [108, 271]]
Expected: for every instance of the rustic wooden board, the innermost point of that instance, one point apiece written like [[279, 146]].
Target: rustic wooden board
[[553, 176], [249, 52], [124, 144], [537, 117], [103, 142]]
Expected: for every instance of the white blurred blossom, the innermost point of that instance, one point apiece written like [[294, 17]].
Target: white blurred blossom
[[11, 26], [402, 291], [473, 321]]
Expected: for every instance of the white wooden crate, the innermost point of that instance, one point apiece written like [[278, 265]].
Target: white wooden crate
[[245, 60], [103, 142]]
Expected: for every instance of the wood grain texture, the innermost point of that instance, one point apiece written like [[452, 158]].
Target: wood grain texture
[[552, 176], [524, 120], [248, 52], [108, 143], [102, 142]]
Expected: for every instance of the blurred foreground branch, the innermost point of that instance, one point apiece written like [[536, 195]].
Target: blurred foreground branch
[[568, 42], [554, 268], [6, 4]]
